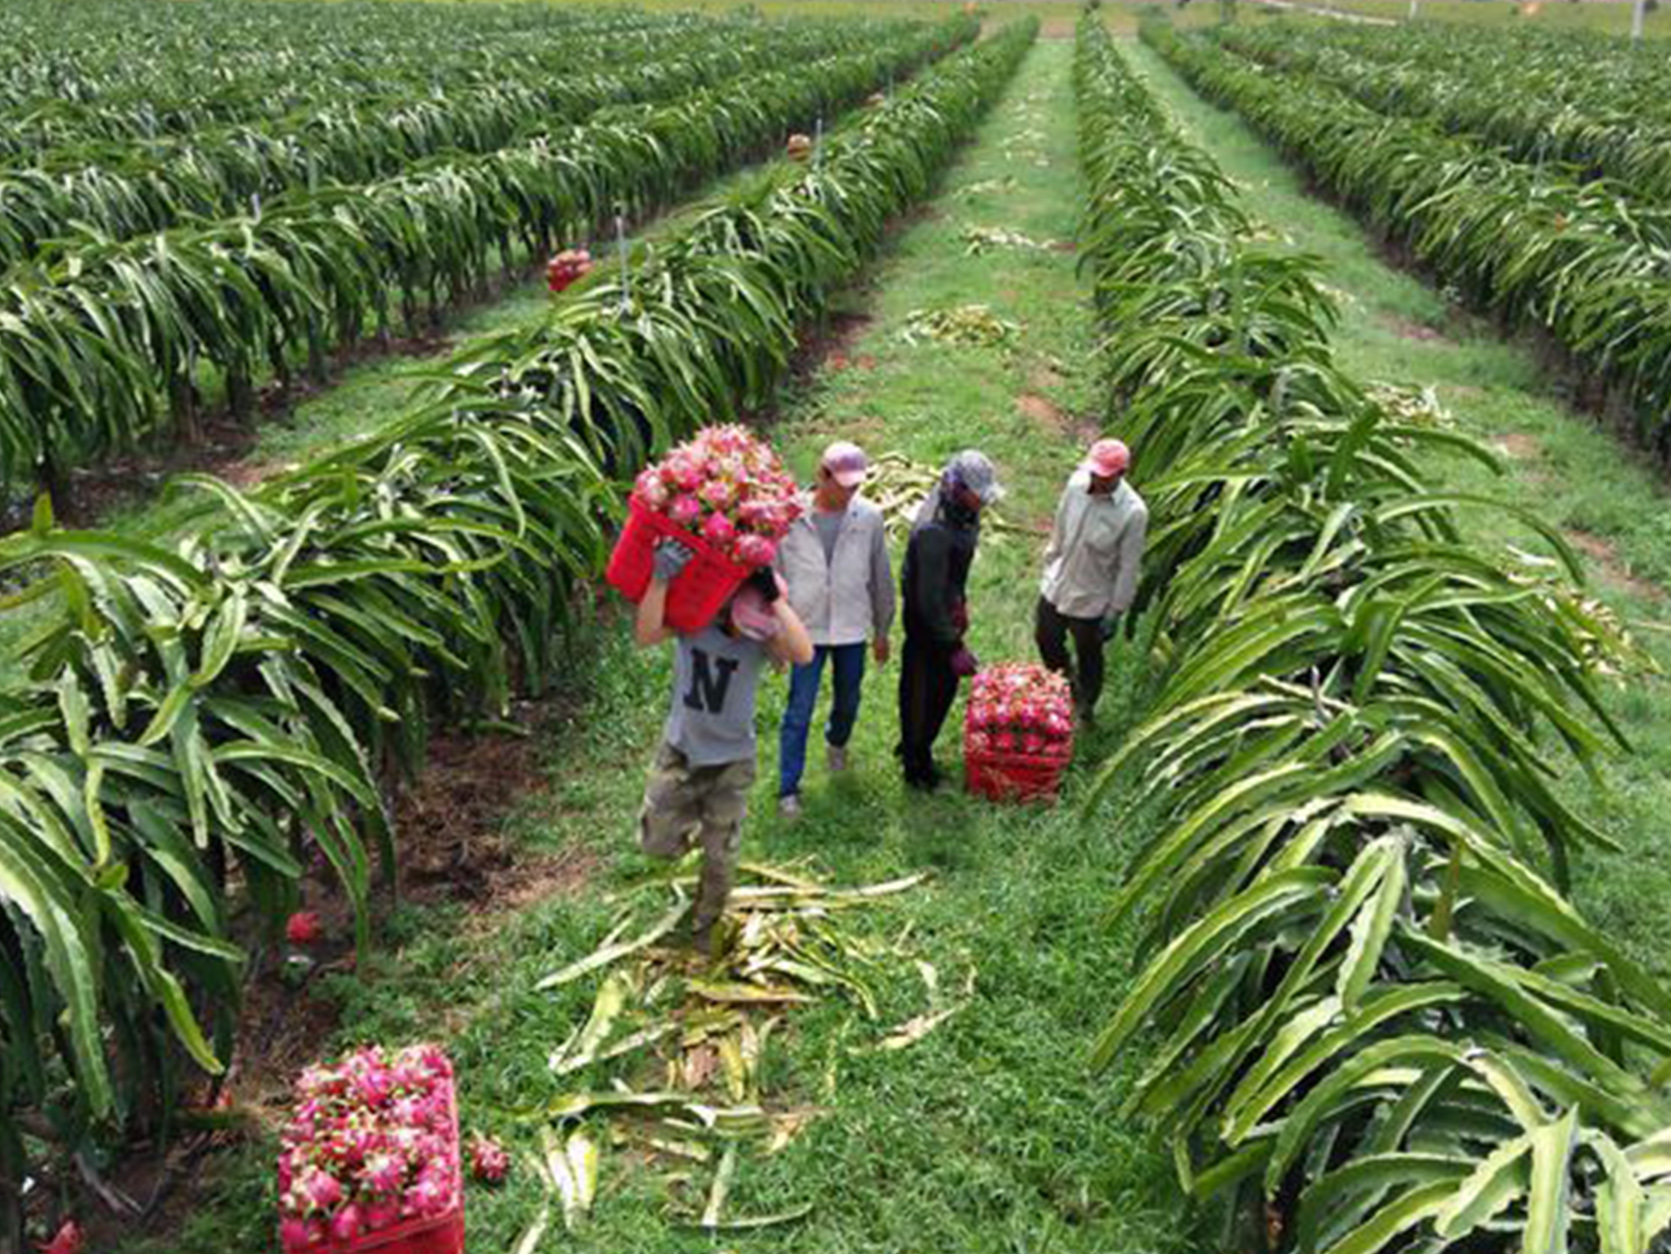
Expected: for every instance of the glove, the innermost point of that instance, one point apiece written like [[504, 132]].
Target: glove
[[964, 663], [764, 581], [671, 558], [1110, 624]]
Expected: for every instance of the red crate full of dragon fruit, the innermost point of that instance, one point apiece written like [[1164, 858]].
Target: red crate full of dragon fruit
[[370, 1158], [1017, 733], [725, 496]]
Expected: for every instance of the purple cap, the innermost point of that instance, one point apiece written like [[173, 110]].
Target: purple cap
[[846, 463]]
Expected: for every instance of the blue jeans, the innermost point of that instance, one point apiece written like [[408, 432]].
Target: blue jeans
[[848, 664]]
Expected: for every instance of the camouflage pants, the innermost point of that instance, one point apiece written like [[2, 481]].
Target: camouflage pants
[[685, 803]]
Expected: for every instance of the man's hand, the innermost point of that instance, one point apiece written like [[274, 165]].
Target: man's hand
[[1110, 624], [671, 558], [880, 650], [964, 663], [764, 581]]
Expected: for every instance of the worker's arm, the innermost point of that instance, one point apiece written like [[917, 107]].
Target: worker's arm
[[1053, 549], [1128, 561], [883, 601], [649, 625], [792, 643]]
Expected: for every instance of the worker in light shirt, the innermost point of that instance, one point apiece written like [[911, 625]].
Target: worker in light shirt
[[835, 563], [1090, 570]]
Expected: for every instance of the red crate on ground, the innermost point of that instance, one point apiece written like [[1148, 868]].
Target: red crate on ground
[[1013, 776], [1017, 733], [695, 597], [429, 1236], [441, 1233]]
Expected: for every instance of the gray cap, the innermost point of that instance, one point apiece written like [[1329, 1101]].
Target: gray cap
[[973, 470]]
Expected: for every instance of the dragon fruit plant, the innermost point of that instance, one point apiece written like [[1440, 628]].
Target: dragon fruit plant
[[727, 487]]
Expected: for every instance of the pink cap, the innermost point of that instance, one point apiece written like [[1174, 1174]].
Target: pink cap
[[847, 463], [750, 614], [1107, 459]]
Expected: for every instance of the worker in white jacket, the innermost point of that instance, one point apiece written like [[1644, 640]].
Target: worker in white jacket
[[835, 563], [1090, 569]]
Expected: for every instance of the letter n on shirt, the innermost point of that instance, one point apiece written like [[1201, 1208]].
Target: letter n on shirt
[[708, 690]]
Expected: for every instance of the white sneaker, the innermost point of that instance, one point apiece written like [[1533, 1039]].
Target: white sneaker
[[835, 757], [789, 806]]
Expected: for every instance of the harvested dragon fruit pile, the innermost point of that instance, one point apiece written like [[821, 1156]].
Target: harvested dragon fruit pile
[[727, 487], [567, 268], [1020, 707], [373, 1143]]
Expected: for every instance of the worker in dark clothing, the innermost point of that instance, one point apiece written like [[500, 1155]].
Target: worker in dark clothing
[[935, 575]]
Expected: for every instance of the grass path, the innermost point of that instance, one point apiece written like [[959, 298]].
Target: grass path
[[988, 1135], [1556, 463]]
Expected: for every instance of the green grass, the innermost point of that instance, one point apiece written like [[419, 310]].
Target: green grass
[[988, 1135], [1557, 463]]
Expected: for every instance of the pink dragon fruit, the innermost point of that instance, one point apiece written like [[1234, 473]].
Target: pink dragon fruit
[[346, 1224], [684, 471], [489, 1162], [718, 529], [371, 1142], [685, 510], [727, 487], [753, 550], [652, 489]]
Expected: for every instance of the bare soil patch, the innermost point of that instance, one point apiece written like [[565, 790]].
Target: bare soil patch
[[1060, 422], [1041, 410], [838, 361], [828, 346], [1610, 568], [451, 819], [1408, 329], [1045, 379], [1519, 446]]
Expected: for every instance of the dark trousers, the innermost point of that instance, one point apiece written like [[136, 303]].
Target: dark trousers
[[1051, 629], [927, 688]]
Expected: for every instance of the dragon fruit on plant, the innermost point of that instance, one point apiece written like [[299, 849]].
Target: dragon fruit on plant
[[566, 267]]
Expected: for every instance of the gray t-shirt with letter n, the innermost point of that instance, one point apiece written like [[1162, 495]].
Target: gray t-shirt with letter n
[[715, 677]]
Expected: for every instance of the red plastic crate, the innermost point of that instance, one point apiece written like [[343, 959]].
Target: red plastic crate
[[1013, 776], [439, 1234], [442, 1235], [696, 595]]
